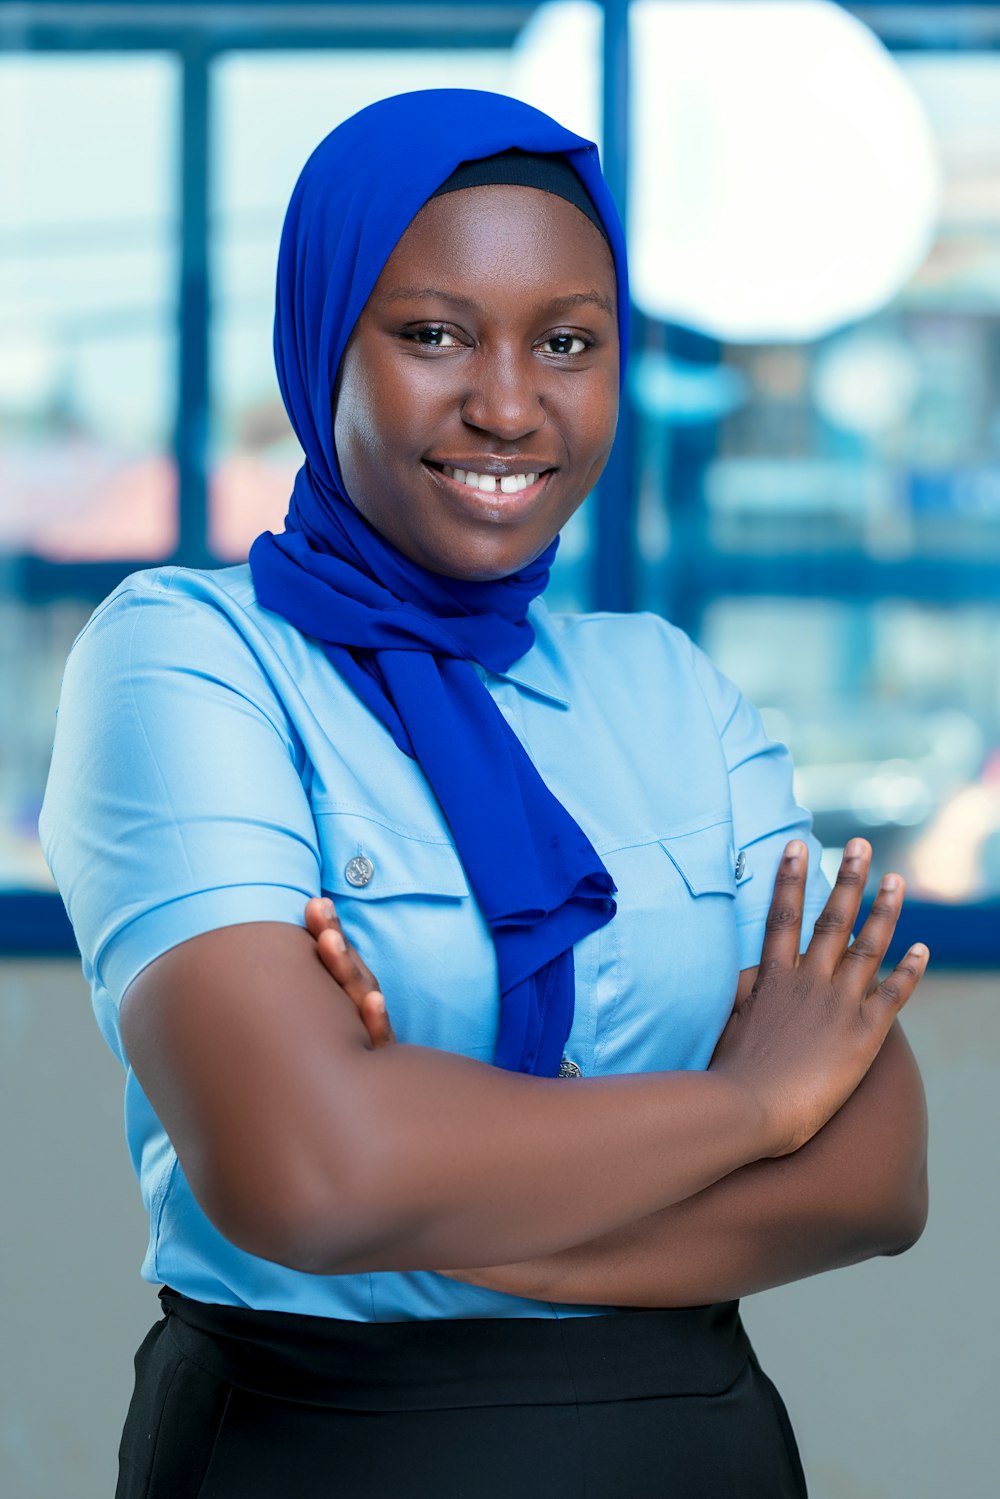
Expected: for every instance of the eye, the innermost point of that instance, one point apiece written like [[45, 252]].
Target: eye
[[565, 343], [432, 336]]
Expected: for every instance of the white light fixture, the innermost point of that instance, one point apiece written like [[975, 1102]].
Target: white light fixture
[[784, 179]]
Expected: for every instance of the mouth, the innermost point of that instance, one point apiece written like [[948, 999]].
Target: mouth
[[505, 487]]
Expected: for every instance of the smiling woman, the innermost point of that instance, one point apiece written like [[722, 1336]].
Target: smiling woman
[[555, 838]]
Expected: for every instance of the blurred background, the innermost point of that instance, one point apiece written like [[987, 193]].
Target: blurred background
[[807, 478]]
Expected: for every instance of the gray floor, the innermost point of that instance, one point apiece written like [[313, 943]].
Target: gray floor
[[890, 1369]]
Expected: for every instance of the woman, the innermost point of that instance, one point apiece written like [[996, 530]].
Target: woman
[[554, 838]]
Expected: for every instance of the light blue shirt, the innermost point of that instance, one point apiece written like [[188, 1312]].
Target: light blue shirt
[[210, 768]]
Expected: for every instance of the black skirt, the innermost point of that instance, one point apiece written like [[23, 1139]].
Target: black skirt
[[237, 1404]]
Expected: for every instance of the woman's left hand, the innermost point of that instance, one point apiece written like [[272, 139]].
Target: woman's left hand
[[341, 960]]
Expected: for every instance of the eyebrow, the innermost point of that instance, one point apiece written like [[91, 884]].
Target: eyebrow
[[557, 304]]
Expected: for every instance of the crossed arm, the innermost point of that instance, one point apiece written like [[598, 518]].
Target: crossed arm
[[311, 1140], [857, 1189]]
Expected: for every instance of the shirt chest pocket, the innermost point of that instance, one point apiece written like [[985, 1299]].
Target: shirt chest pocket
[[707, 860], [670, 963], [405, 903]]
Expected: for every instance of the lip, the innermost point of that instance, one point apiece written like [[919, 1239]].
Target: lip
[[495, 505]]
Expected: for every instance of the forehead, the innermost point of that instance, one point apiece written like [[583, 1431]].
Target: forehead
[[519, 235]]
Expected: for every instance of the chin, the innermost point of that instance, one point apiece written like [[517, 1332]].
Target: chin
[[472, 573], [478, 564]]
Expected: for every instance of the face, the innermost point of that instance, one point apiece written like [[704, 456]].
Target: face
[[477, 398]]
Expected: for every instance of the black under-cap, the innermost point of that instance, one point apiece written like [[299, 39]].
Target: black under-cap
[[514, 168]]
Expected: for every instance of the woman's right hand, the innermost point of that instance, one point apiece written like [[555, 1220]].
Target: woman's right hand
[[812, 1024]]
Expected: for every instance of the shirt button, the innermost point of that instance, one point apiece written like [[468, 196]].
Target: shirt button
[[358, 871], [741, 864], [568, 1068]]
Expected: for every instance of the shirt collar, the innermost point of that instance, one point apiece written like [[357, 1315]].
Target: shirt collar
[[540, 670]]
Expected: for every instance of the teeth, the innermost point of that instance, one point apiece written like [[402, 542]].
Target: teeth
[[488, 483]]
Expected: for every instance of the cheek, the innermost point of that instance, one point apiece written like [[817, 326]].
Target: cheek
[[358, 425], [598, 418], [386, 412], [610, 417]]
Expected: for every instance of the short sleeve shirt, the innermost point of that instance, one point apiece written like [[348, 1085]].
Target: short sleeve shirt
[[211, 767]]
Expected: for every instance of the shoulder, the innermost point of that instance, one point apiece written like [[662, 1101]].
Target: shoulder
[[636, 655], [617, 646], [641, 636], [176, 597], [171, 667], [166, 622], [175, 799]]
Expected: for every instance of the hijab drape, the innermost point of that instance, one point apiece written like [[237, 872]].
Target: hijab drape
[[404, 638]]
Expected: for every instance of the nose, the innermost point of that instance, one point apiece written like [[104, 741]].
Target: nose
[[504, 397]]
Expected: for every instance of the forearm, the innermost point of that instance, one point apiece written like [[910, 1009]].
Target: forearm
[[480, 1161], [857, 1189]]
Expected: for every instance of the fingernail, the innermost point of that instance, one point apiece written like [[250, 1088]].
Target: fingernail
[[855, 849], [378, 1001], [890, 882], [337, 938], [919, 951], [795, 850], [328, 910]]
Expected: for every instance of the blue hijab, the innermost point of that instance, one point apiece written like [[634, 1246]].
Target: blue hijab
[[404, 638]]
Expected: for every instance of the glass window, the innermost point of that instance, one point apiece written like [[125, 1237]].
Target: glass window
[[87, 371], [892, 712], [34, 644], [861, 473], [87, 305], [822, 516]]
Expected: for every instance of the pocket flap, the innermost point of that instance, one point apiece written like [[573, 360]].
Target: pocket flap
[[705, 859], [369, 861]]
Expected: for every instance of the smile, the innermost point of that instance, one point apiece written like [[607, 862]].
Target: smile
[[501, 496]]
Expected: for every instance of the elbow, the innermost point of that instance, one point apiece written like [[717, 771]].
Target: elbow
[[315, 1238], [306, 1216], [887, 1219], [909, 1219]]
